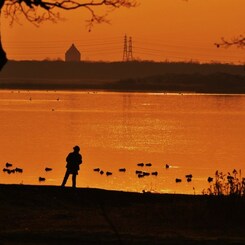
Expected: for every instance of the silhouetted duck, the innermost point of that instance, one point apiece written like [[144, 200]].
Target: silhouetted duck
[[48, 169], [8, 165], [154, 173], [6, 170], [178, 180], [167, 166], [108, 173], [140, 164], [210, 179], [96, 169], [101, 172], [122, 169], [141, 175], [148, 164], [19, 170], [138, 172], [41, 179]]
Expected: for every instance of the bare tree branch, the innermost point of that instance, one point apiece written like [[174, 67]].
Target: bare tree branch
[[37, 11], [237, 41]]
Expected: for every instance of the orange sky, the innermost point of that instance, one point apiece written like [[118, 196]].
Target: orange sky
[[174, 30]]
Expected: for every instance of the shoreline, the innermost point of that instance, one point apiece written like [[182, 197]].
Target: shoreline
[[78, 90], [124, 76], [54, 215]]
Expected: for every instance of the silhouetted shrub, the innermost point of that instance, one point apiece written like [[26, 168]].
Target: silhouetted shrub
[[231, 184]]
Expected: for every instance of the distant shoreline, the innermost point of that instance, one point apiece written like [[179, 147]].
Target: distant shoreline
[[119, 86], [124, 77]]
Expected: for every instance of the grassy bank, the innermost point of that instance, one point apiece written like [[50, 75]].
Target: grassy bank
[[55, 215]]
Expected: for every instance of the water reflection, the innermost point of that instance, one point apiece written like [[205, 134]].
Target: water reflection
[[194, 134]]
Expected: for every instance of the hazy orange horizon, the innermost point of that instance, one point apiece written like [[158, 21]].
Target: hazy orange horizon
[[173, 30]]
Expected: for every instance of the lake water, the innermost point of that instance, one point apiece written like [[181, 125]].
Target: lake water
[[195, 134]]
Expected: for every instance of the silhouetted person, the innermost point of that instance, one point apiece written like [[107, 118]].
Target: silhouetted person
[[74, 159]]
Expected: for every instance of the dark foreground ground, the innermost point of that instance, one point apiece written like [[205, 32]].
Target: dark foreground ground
[[54, 215]]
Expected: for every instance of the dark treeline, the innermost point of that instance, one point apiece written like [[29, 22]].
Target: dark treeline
[[199, 83], [125, 76]]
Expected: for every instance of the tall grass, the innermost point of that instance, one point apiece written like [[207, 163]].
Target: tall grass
[[230, 184]]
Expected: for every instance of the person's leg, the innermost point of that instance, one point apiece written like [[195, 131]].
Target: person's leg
[[65, 178], [74, 176]]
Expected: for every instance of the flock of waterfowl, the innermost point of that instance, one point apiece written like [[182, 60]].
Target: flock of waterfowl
[[142, 173], [9, 169]]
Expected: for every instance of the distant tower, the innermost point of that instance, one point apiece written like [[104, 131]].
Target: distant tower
[[72, 54], [125, 49], [130, 49]]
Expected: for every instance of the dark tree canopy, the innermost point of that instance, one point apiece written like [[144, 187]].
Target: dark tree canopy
[[37, 11]]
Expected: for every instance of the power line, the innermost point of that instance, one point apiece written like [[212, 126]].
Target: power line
[[106, 46]]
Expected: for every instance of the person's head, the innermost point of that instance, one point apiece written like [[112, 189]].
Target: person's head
[[76, 148]]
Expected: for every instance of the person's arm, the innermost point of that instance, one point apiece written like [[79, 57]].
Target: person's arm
[[68, 158]]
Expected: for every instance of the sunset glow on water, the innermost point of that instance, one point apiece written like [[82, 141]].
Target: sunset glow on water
[[194, 134]]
